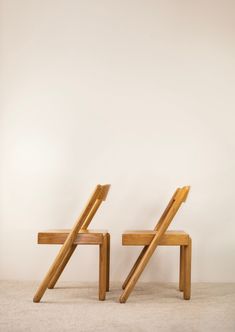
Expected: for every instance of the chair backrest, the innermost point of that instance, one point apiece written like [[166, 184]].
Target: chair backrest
[[100, 193], [173, 206]]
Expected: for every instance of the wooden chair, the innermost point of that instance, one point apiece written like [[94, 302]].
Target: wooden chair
[[160, 236], [76, 236]]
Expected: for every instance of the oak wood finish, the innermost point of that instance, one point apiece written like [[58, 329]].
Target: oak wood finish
[[62, 258], [187, 270], [152, 239], [61, 268], [181, 274], [144, 238], [160, 221], [134, 267], [59, 237], [108, 263], [95, 237], [103, 269]]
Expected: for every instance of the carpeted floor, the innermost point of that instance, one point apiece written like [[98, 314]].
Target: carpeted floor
[[151, 307]]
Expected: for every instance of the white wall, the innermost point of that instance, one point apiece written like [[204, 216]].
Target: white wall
[[139, 94]]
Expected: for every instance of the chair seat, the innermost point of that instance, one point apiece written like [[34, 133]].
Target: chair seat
[[144, 237], [58, 236]]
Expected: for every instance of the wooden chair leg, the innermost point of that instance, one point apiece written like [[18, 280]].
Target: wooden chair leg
[[50, 274], [187, 270], [181, 274], [138, 271], [134, 267], [108, 263], [102, 269], [61, 267]]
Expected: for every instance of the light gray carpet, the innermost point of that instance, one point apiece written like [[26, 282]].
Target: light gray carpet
[[151, 307]]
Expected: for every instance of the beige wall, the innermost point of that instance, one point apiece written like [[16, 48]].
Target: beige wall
[[139, 94]]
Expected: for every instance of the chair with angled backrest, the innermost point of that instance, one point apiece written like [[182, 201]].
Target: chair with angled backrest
[[160, 236], [78, 235]]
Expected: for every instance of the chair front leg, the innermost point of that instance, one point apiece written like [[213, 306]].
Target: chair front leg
[[51, 273], [134, 267], [138, 271], [187, 270], [62, 267], [103, 268]]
